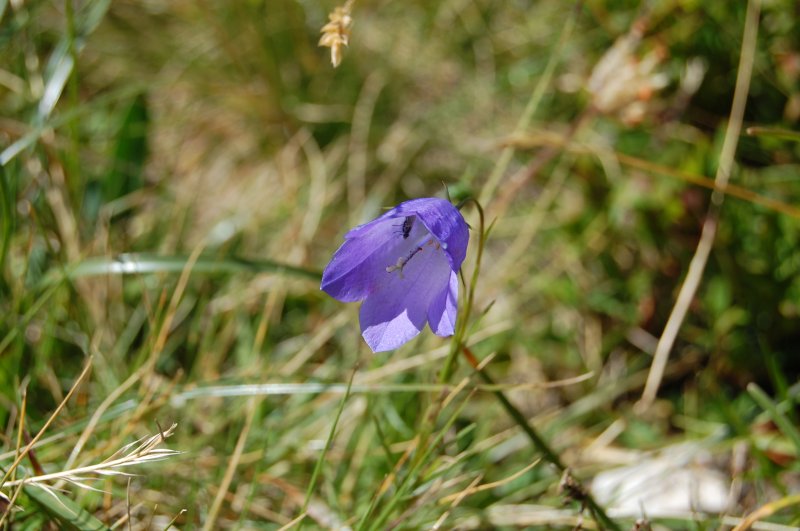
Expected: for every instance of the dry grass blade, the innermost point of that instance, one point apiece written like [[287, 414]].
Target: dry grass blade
[[489, 189], [47, 424], [709, 232], [456, 500], [294, 522], [232, 464], [145, 450], [7, 504], [767, 510], [473, 489], [549, 138], [161, 339]]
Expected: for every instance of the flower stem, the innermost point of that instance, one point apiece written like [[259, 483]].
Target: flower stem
[[461, 326], [433, 410]]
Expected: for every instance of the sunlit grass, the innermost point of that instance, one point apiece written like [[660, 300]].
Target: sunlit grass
[[175, 176]]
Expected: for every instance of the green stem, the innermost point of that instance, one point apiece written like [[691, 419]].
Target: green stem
[[433, 410], [328, 443], [603, 520], [461, 326], [779, 418]]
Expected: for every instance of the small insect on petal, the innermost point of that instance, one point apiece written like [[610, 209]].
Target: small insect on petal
[[406, 226]]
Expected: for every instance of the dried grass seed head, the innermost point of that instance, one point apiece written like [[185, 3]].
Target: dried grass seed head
[[336, 33]]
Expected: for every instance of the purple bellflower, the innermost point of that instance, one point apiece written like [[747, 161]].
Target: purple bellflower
[[404, 266]]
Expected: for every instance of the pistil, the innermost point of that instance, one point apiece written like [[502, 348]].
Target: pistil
[[403, 260]]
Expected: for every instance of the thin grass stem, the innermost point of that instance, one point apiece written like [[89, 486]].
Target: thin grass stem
[[533, 103], [47, 424], [708, 234], [541, 445], [232, 465], [321, 460]]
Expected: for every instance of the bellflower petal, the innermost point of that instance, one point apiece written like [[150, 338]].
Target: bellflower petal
[[404, 266], [446, 224], [442, 311], [358, 266], [399, 310]]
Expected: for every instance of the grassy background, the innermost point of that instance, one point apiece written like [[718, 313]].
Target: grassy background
[[216, 139]]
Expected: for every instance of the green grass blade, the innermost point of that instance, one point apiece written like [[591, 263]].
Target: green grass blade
[[62, 61], [408, 482], [318, 466], [63, 117], [781, 421], [57, 73], [130, 153], [25, 319], [603, 520], [67, 513], [20, 145], [144, 263], [775, 132], [7, 206]]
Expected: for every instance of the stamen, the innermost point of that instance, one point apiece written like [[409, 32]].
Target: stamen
[[403, 260]]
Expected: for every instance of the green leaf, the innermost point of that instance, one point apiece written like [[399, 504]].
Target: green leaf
[[776, 132], [775, 414], [67, 513], [143, 263], [130, 153]]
